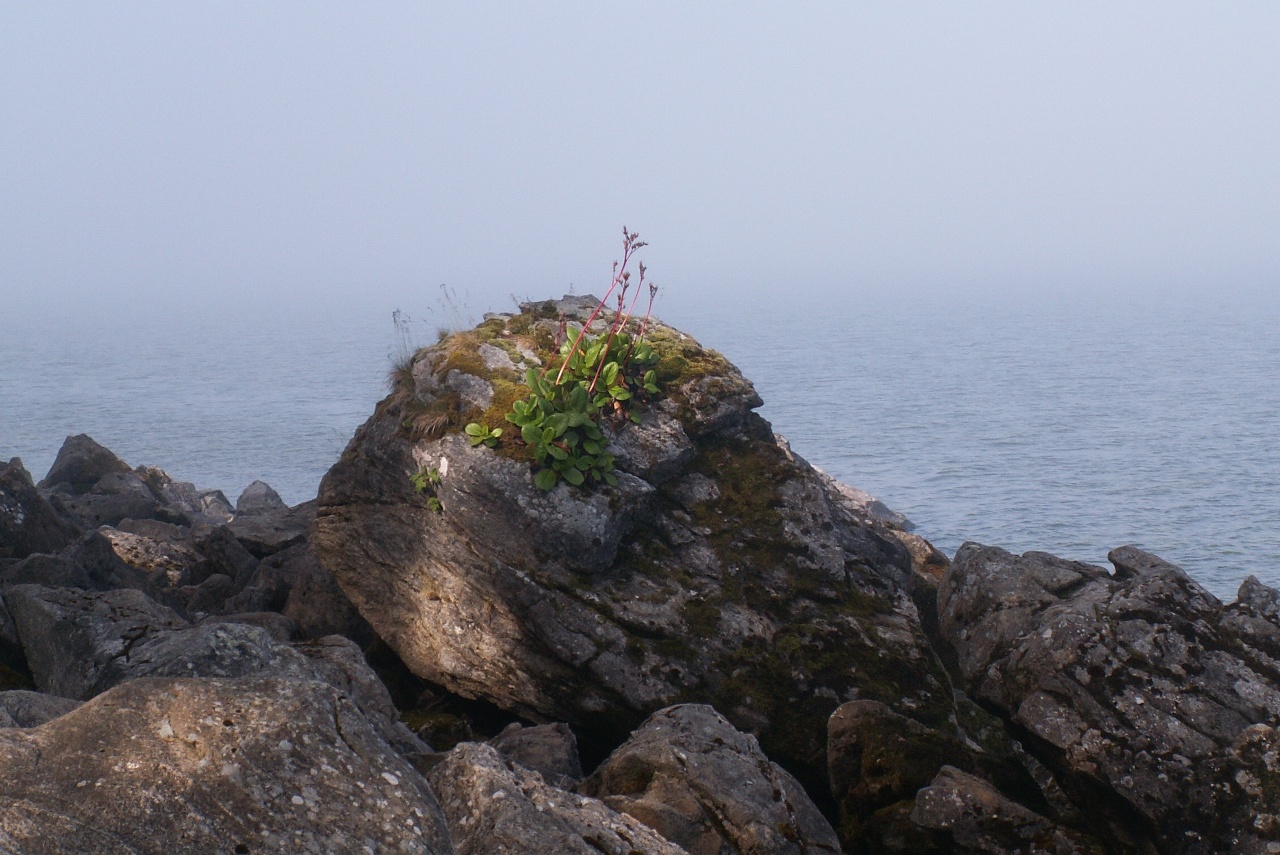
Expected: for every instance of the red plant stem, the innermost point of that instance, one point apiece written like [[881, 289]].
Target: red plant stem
[[627, 249]]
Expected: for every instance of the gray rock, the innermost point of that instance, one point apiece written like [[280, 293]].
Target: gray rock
[[259, 498], [90, 563], [28, 523], [318, 606], [269, 585], [279, 627], [265, 532], [168, 562], [165, 765], [766, 596], [182, 502], [32, 709], [473, 392], [655, 450], [80, 464], [225, 554], [492, 806], [551, 750], [339, 662], [1136, 685], [81, 643], [879, 760], [976, 819], [495, 358], [690, 776]]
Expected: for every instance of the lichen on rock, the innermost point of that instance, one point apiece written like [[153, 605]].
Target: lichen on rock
[[722, 569]]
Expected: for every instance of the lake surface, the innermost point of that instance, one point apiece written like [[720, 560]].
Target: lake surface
[[1070, 425]]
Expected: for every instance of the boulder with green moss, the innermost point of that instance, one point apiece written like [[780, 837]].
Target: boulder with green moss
[[721, 568]]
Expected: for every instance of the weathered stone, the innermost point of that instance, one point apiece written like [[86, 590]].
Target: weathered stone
[[32, 709], [689, 775], [1135, 685], [268, 587], [494, 806], [90, 563], [265, 532], [182, 502], [339, 662], [976, 819], [115, 497], [228, 556], [80, 464], [764, 595], [176, 765], [259, 498], [879, 760], [168, 562], [279, 627], [318, 606], [28, 523], [551, 750]]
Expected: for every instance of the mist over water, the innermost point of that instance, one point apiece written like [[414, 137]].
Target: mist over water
[[1070, 425]]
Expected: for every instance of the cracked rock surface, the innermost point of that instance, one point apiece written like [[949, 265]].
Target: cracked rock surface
[[1151, 701], [698, 781], [722, 569], [495, 806], [156, 766]]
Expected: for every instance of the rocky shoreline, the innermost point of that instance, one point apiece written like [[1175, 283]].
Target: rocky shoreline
[[725, 652]]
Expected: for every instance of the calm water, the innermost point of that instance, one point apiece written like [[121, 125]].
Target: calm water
[[1070, 426]]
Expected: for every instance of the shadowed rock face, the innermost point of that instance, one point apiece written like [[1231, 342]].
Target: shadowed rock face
[[687, 773], [178, 765], [1154, 703], [28, 523], [494, 805], [722, 568]]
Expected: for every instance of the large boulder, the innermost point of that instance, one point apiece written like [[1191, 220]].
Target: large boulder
[[1151, 701], [22, 708], [688, 774], [736, 576], [235, 766], [971, 817], [81, 463], [496, 806], [28, 523], [880, 760]]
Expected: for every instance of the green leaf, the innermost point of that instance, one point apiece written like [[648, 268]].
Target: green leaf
[[611, 479], [574, 477], [610, 373], [620, 394], [557, 452], [475, 429], [635, 418], [531, 434], [546, 479], [650, 378]]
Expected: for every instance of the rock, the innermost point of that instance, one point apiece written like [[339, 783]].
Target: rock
[[977, 820], [495, 806], [741, 580], [259, 498], [265, 532], [80, 464], [279, 627], [551, 750], [269, 585], [1133, 689], [318, 606], [339, 662], [28, 523], [90, 563], [115, 497], [690, 776], [225, 554], [183, 502], [32, 709], [167, 765], [656, 450], [879, 760], [167, 562]]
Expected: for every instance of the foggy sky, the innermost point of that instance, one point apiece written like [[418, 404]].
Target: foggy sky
[[223, 151]]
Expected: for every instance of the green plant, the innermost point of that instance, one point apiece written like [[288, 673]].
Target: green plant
[[426, 481], [478, 433], [597, 378]]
